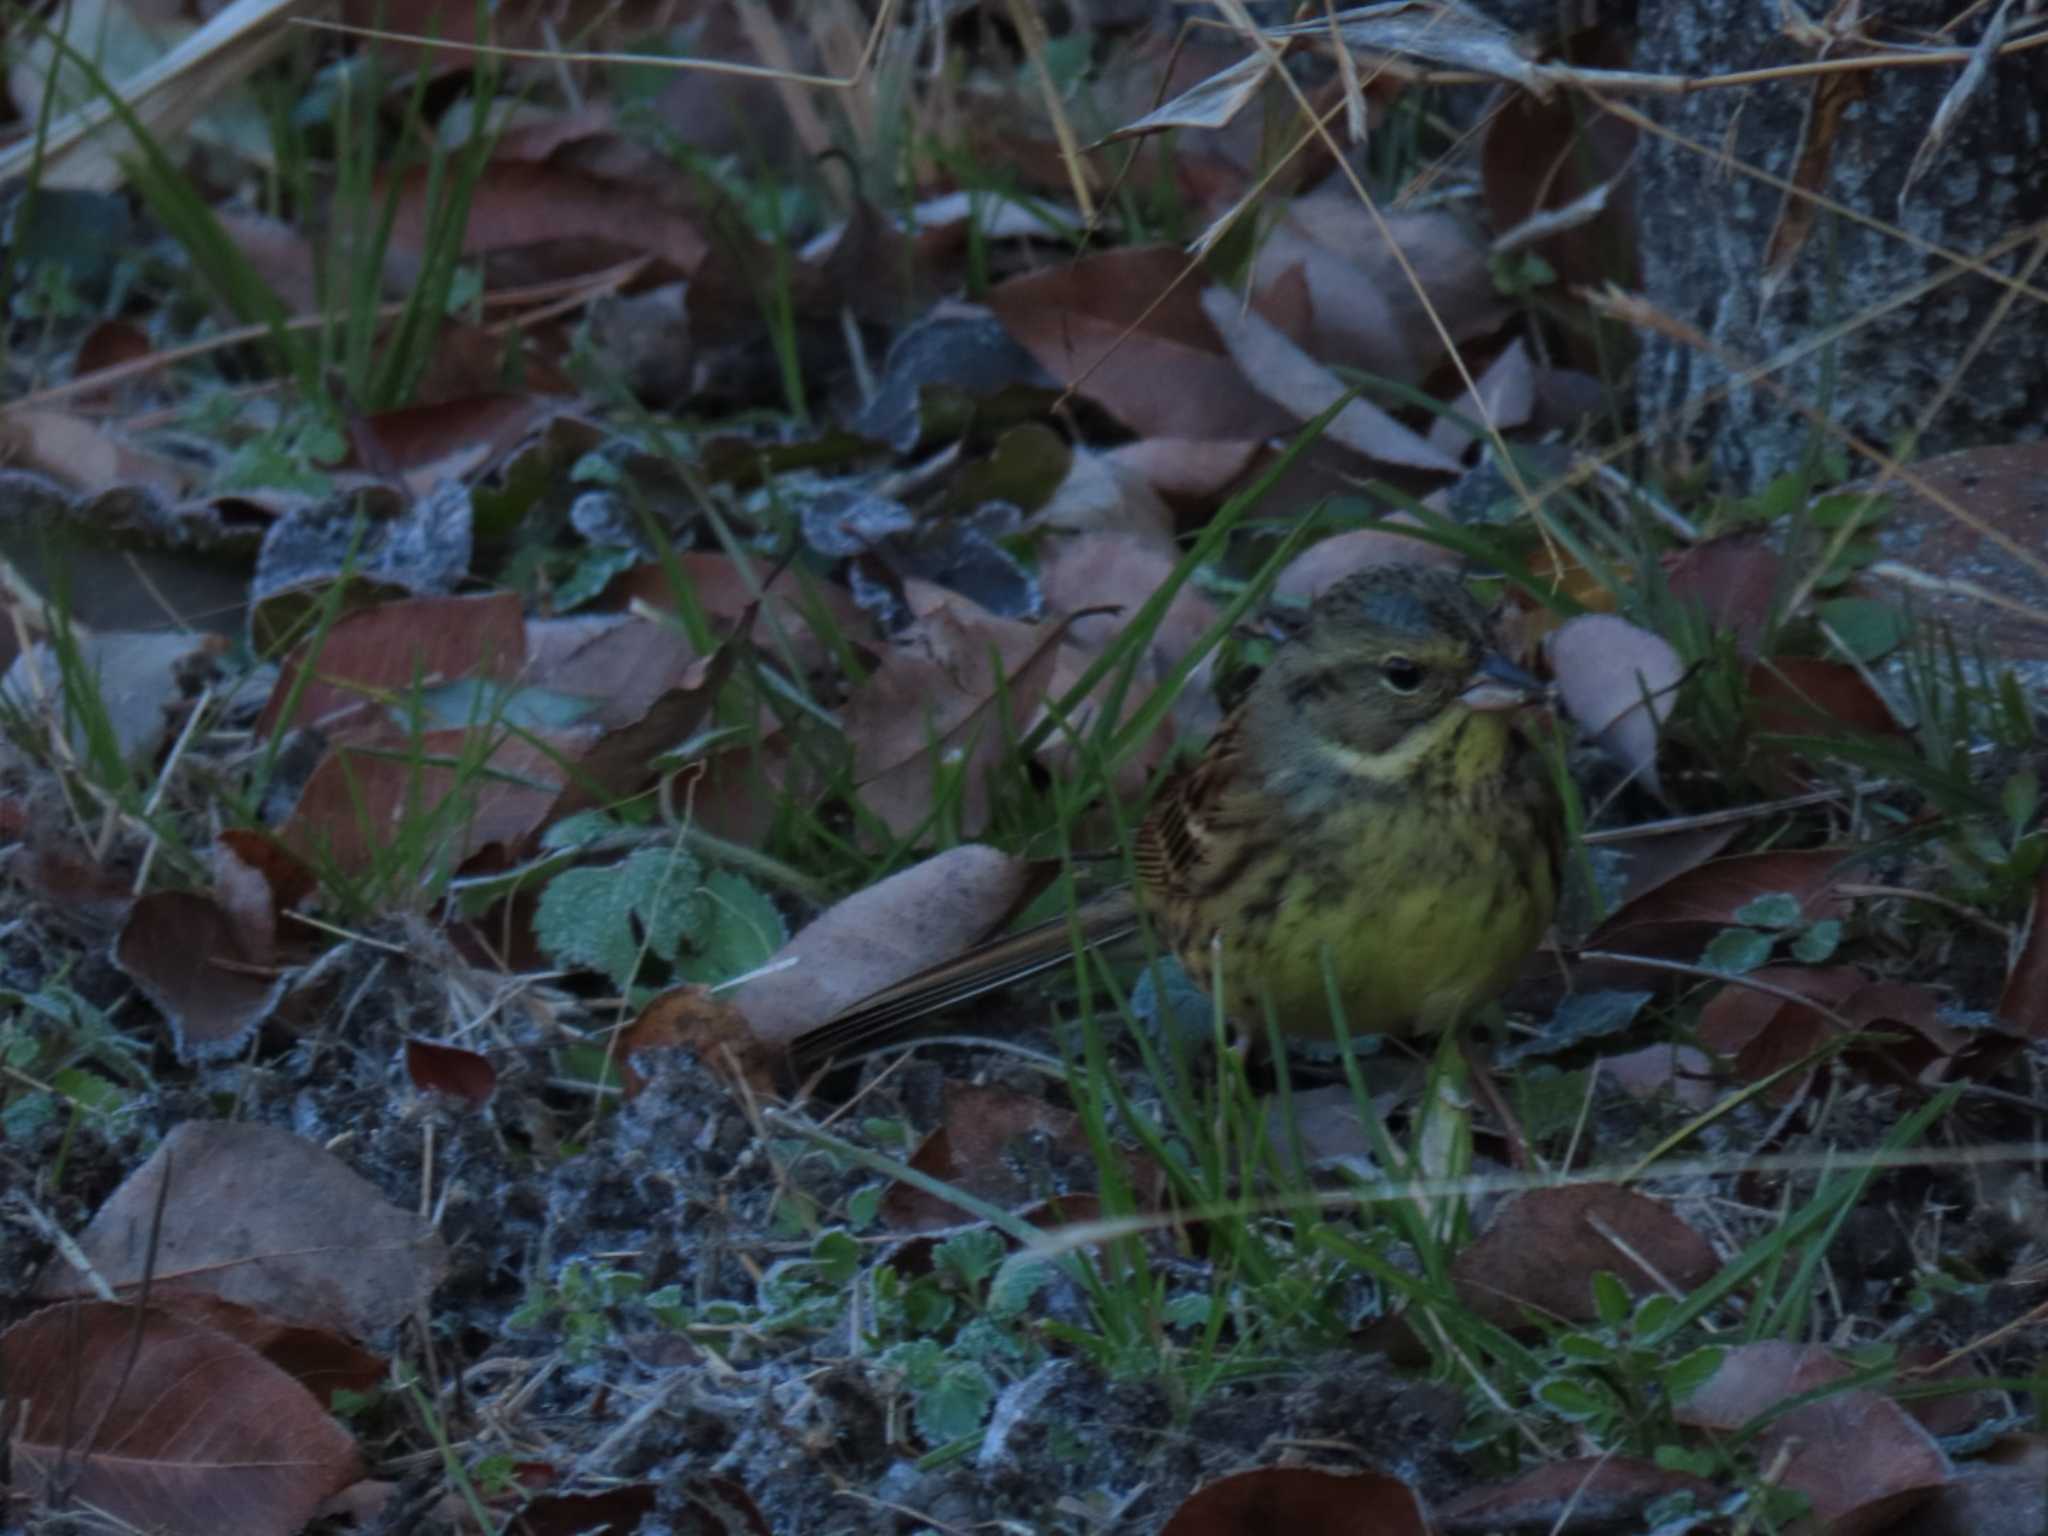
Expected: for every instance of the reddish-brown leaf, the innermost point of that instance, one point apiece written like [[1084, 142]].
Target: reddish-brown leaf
[[449, 1069], [448, 440], [515, 204], [1858, 1456], [378, 654], [1302, 1501], [165, 1425], [189, 958], [1542, 1249]]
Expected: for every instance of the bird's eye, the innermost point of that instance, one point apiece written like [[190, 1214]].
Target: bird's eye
[[1401, 674]]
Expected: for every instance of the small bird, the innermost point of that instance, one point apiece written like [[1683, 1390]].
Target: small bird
[[1373, 811]]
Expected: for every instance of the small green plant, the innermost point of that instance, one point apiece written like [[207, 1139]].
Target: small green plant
[[64, 1061], [658, 909], [586, 1302], [1762, 926], [1616, 1380]]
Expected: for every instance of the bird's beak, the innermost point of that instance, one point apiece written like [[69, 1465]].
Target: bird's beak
[[1498, 684]]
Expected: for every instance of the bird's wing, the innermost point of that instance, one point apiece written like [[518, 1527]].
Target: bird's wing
[[1176, 846]]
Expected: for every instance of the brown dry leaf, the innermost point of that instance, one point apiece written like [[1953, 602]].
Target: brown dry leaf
[[1295, 381], [1112, 571], [1544, 1246], [318, 1359], [188, 958], [893, 929], [1365, 312], [422, 445], [1679, 916], [1169, 376], [1735, 580], [1765, 1034], [266, 1219], [989, 1140], [109, 344], [695, 1018], [516, 206], [1584, 1493], [256, 880], [1857, 1455], [1618, 680], [1302, 1501], [380, 654], [369, 791], [281, 255], [1328, 561], [1805, 696], [193, 1432], [84, 454], [449, 1069], [953, 694]]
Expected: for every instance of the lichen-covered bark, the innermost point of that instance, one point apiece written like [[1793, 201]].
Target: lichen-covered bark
[[1705, 226]]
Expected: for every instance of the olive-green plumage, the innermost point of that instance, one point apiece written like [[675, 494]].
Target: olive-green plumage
[[1373, 801]]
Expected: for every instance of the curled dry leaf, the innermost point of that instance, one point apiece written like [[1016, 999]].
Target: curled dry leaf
[[1618, 680], [188, 957], [266, 1219], [1502, 399], [1303, 1501], [1765, 1034], [1543, 1247], [516, 205], [1304, 388], [192, 1432], [1361, 279], [423, 445], [896, 927], [1856, 1454]]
